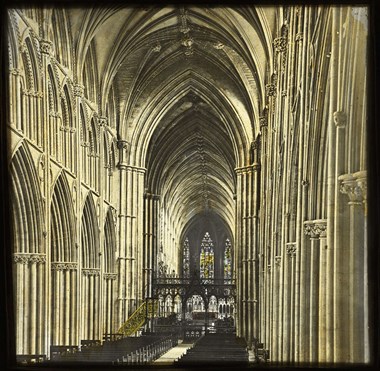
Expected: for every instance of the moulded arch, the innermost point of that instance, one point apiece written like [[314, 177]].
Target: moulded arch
[[109, 243], [240, 133], [63, 222], [90, 234], [26, 202]]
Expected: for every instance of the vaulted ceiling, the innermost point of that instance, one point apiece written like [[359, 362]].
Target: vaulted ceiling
[[189, 84]]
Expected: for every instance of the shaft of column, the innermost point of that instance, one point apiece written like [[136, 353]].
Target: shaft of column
[[33, 308], [314, 286], [322, 302], [73, 309]]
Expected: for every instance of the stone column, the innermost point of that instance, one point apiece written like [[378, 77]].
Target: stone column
[[315, 229], [245, 249], [150, 235], [361, 178], [356, 275], [122, 268], [291, 250]]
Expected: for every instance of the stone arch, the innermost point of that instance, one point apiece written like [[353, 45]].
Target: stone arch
[[109, 268], [28, 253], [26, 203], [109, 243], [90, 74], [90, 247], [64, 266], [61, 36], [63, 223], [90, 235]]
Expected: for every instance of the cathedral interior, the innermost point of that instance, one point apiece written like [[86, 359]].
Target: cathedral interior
[[183, 171]]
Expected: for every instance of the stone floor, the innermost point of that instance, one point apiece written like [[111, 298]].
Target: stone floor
[[173, 354]]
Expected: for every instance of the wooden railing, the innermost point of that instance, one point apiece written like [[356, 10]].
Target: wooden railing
[[147, 309]]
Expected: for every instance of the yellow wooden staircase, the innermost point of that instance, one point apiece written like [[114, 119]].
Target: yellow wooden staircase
[[147, 309]]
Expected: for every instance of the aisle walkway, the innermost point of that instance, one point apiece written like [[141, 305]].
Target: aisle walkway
[[173, 354], [216, 349]]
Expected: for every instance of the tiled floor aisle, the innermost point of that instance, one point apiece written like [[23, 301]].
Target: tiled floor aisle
[[171, 355]]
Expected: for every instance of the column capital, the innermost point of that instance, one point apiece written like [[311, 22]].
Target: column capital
[[46, 47], [110, 276], [291, 249], [280, 44], [277, 260], [299, 37], [339, 119], [78, 90], [102, 121], [91, 272], [315, 228], [29, 258], [263, 120], [123, 144], [361, 179], [64, 266], [247, 169], [350, 186], [270, 90], [151, 196]]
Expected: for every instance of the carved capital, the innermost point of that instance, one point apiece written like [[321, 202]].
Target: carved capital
[[291, 249], [277, 260], [110, 276], [280, 44], [315, 228], [263, 120], [21, 258], [299, 37], [46, 47], [14, 71], [37, 258], [351, 187], [102, 121], [361, 179], [339, 119], [123, 145], [64, 266], [29, 258], [78, 90], [91, 272], [270, 90]]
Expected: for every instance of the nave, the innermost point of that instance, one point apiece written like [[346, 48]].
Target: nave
[[191, 167]]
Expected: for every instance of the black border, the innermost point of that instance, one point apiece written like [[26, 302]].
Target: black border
[[7, 344]]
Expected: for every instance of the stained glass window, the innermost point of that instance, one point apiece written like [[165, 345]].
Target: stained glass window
[[186, 259], [227, 261], [207, 257]]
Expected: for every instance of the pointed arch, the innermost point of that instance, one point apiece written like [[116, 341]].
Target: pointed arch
[[28, 252], [109, 243], [26, 203], [63, 230], [93, 137], [90, 305], [61, 36], [109, 269], [64, 265], [90, 74], [30, 65], [90, 235]]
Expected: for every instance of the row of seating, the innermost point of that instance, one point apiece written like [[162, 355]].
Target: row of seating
[[149, 353], [131, 350], [216, 349]]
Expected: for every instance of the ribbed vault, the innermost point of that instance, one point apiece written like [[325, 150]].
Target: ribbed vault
[[191, 162]]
